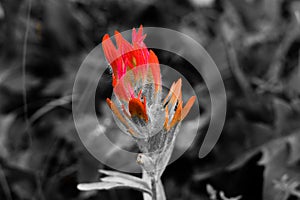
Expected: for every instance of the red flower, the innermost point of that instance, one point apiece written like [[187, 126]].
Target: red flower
[[135, 57], [134, 66]]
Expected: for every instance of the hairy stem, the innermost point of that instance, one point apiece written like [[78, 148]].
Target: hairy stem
[[154, 182], [154, 188]]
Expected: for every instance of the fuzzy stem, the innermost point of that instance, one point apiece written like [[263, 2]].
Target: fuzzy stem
[[154, 188], [160, 193]]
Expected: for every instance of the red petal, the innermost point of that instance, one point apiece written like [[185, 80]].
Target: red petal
[[155, 69], [109, 49]]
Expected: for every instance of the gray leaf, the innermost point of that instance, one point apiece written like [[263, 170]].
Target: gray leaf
[[116, 180]]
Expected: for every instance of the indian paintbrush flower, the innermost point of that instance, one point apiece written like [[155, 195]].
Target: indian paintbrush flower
[[139, 102]]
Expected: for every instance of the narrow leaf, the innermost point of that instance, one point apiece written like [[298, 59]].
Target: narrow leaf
[[110, 185], [125, 176]]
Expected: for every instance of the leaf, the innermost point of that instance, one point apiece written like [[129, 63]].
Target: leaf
[[12, 79], [99, 186], [59, 21], [124, 176], [202, 3], [287, 186], [2, 14], [294, 149], [278, 158], [5, 123], [50, 106], [272, 8], [282, 112], [271, 150], [212, 192], [223, 197], [117, 180], [294, 80]]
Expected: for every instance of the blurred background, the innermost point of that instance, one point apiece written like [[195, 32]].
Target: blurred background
[[255, 44]]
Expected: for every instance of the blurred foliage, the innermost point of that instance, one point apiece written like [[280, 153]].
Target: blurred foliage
[[255, 44]]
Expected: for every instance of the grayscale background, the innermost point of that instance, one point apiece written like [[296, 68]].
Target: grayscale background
[[255, 45]]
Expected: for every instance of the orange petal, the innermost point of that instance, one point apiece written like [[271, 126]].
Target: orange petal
[[166, 124], [138, 109], [187, 107], [176, 93], [116, 111], [114, 80], [169, 94], [177, 115]]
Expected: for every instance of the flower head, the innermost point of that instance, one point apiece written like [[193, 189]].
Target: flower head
[[138, 101]]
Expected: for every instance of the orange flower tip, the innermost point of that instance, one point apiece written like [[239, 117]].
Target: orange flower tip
[[105, 37], [137, 109], [179, 85], [167, 98], [140, 30], [108, 101], [176, 92], [114, 81], [188, 106], [117, 32], [193, 98], [191, 101]]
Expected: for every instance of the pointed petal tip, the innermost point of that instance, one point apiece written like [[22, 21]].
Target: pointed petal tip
[[188, 107], [105, 37], [117, 32], [179, 81], [140, 29], [109, 102]]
